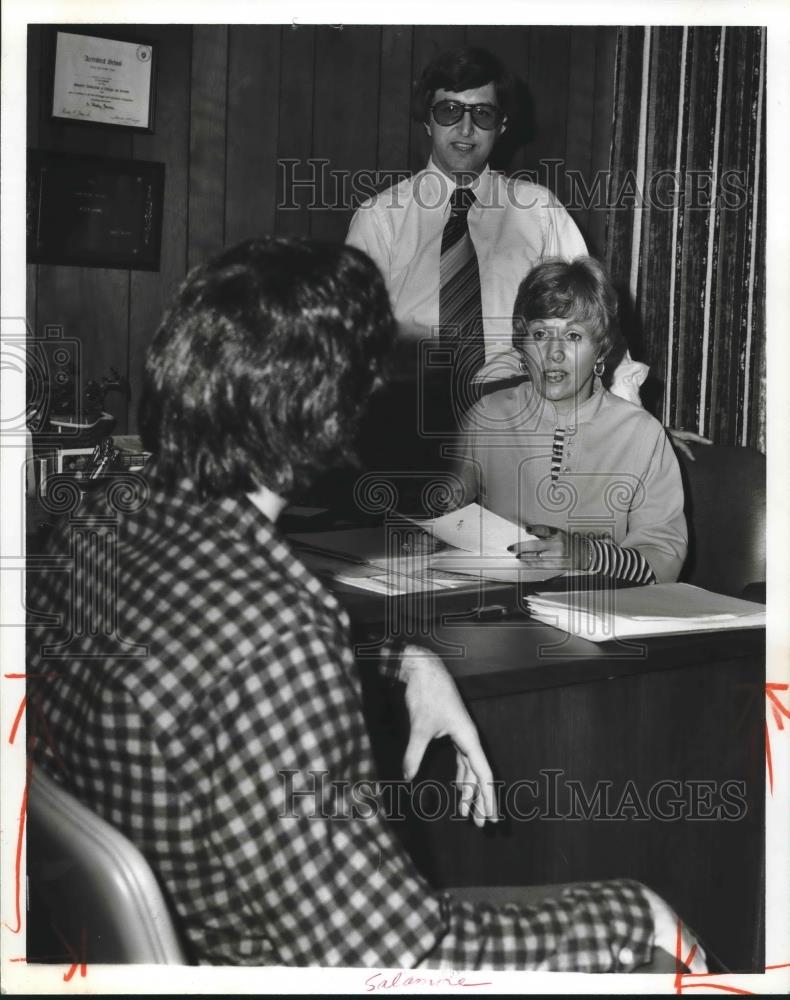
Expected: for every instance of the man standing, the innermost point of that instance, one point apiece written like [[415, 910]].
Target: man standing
[[465, 100]]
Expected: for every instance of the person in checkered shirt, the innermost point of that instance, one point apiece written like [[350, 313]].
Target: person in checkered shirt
[[224, 665]]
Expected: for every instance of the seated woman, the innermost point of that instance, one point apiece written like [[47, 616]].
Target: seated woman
[[591, 475]]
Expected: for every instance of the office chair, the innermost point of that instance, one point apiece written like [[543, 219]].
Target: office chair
[[725, 511], [91, 890]]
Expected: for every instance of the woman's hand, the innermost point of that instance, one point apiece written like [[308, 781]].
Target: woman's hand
[[435, 709], [554, 548], [682, 439]]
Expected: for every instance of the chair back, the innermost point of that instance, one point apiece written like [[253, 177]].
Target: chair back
[[100, 895], [725, 511]]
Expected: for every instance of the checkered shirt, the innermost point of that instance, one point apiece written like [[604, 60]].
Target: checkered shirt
[[242, 679]]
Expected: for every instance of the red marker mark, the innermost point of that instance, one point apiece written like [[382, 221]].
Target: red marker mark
[[709, 981], [23, 677], [20, 839], [77, 960], [777, 710], [17, 719], [680, 976]]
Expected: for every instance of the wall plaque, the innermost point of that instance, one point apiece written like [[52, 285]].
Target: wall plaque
[[94, 211]]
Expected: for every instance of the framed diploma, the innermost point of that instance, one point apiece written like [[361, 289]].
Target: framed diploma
[[94, 211], [103, 81]]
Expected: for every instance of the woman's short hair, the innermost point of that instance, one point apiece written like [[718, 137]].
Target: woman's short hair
[[581, 289], [262, 365], [459, 70]]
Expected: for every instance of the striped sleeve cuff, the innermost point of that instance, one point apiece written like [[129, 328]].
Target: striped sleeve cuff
[[619, 562]]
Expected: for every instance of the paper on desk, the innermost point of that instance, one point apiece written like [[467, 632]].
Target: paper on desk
[[639, 611], [401, 575], [505, 567], [475, 529]]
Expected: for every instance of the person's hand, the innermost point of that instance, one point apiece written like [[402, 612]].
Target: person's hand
[[682, 439], [552, 547], [435, 709], [666, 925]]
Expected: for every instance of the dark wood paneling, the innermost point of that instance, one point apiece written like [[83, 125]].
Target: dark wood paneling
[[580, 116], [511, 46], [252, 130], [207, 141], [395, 87], [297, 61], [169, 144], [346, 118], [549, 56], [91, 305], [619, 232], [601, 141]]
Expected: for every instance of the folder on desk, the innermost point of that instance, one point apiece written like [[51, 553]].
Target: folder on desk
[[601, 614]]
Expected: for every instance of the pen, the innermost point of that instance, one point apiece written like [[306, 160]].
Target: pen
[[492, 611]]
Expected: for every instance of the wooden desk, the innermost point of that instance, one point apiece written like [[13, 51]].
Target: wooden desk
[[554, 709]]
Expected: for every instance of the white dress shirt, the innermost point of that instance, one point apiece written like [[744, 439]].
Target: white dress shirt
[[514, 224]]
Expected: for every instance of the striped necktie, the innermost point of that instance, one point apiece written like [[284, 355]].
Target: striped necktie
[[460, 306]]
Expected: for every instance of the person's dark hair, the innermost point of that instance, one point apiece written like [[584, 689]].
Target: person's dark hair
[[262, 365], [581, 289], [459, 70]]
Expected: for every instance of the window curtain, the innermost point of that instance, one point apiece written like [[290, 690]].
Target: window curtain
[[685, 235]]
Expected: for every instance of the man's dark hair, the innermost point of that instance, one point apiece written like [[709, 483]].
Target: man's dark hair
[[262, 365], [580, 289], [459, 70]]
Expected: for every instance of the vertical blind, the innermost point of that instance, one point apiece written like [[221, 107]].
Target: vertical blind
[[685, 234]]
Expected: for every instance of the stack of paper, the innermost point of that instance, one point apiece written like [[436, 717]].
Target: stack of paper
[[479, 541], [601, 614]]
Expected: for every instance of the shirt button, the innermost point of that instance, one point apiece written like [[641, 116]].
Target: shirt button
[[567, 468], [626, 956]]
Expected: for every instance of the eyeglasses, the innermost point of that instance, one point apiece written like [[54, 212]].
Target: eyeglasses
[[485, 116]]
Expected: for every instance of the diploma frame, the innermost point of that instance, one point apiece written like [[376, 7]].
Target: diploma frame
[[94, 211], [68, 42]]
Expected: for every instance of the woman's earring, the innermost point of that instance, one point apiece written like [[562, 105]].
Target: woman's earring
[[524, 366], [599, 367]]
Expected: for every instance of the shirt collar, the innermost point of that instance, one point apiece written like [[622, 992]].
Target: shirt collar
[[238, 516], [436, 188]]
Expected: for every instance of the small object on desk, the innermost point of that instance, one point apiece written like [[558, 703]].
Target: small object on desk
[[299, 511], [103, 455], [602, 614]]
